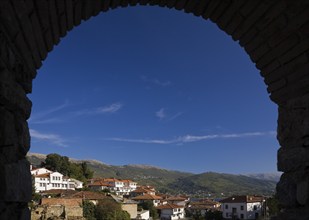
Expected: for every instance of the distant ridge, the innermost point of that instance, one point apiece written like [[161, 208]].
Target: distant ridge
[[177, 182]]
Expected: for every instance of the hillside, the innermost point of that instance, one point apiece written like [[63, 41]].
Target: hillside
[[175, 181], [228, 184]]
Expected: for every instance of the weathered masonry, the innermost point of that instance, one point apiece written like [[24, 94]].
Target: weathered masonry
[[274, 33]]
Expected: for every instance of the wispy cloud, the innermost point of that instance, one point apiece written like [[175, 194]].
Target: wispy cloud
[[156, 81], [109, 109], [50, 138], [161, 114], [175, 116], [39, 118], [193, 138]]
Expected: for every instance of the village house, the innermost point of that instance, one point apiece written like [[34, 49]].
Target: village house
[[242, 207], [171, 211], [202, 206], [147, 197], [143, 215], [177, 200], [45, 179], [93, 197], [142, 190], [119, 187]]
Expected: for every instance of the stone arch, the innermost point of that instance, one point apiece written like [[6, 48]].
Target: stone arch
[[274, 33]]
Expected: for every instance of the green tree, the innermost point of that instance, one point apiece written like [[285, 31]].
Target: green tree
[[61, 164], [108, 209], [273, 206], [213, 215], [89, 210], [36, 197], [58, 163], [87, 173]]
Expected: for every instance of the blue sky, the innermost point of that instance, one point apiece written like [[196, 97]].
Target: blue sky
[[150, 85]]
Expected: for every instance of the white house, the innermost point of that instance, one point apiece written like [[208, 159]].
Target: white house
[[147, 197], [119, 187], [171, 211], [143, 215], [242, 207], [38, 171], [45, 179]]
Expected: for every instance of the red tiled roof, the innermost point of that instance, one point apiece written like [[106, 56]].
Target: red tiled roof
[[141, 190], [176, 199], [99, 183], [61, 201], [147, 197], [169, 206], [242, 199], [44, 175]]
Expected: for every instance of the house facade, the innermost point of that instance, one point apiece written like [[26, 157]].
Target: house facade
[[171, 211], [119, 187], [242, 207], [45, 179], [147, 197]]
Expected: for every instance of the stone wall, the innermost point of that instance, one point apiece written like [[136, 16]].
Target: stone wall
[[274, 33], [58, 208]]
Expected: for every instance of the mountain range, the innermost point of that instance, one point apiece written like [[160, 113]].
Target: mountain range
[[177, 182]]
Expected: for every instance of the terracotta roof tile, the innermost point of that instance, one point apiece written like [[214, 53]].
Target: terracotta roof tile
[[242, 199], [147, 197], [169, 206], [44, 175]]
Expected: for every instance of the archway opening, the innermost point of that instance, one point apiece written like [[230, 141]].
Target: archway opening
[[157, 87]]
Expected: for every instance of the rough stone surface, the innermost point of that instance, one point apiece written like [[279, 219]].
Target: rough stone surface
[[273, 33]]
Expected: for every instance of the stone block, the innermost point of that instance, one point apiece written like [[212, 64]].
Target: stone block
[[211, 8], [229, 13], [286, 191], [302, 192], [275, 11], [233, 24], [16, 183], [87, 9], [199, 10], [8, 135], [28, 33], [63, 25], [255, 12], [282, 48], [190, 6], [38, 36], [78, 12], [293, 159], [8, 18], [14, 98], [97, 4], [54, 22], [220, 10], [22, 130], [180, 4], [25, 51], [43, 14], [69, 14]]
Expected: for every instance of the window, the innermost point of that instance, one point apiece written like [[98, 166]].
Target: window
[[241, 216], [242, 207], [227, 215], [226, 206]]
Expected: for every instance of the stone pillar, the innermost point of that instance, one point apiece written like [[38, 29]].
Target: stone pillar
[[293, 159], [15, 107]]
